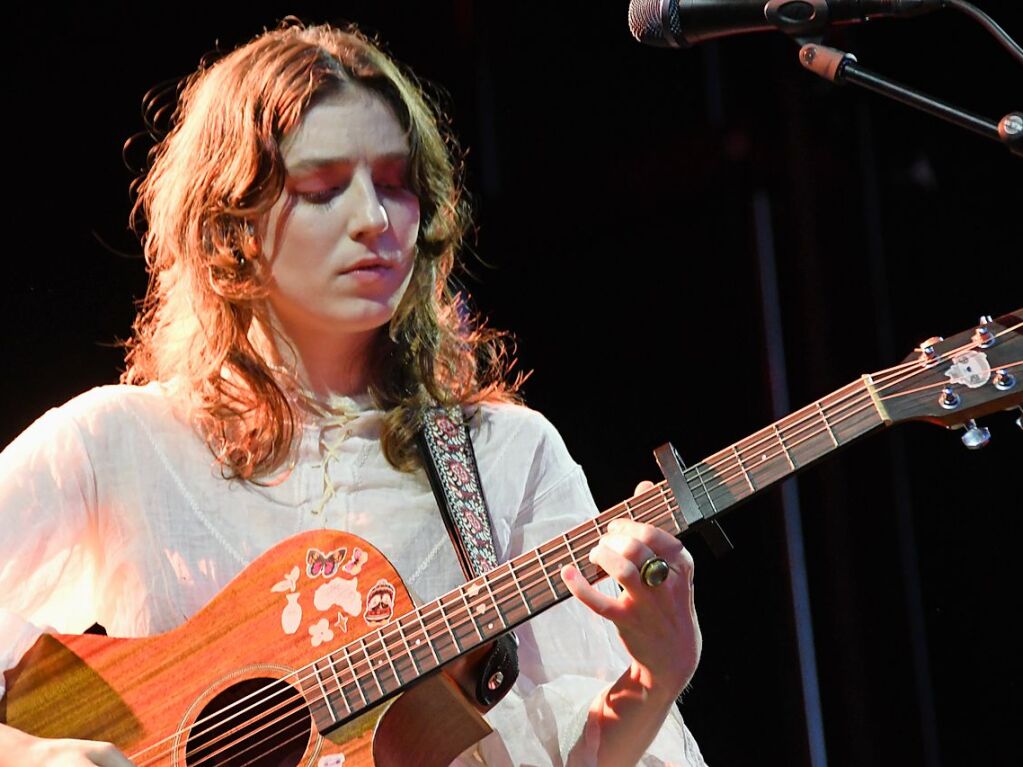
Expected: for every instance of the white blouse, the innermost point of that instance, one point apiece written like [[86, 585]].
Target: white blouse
[[112, 511]]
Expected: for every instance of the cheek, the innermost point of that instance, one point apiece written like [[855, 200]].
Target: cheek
[[404, 218]]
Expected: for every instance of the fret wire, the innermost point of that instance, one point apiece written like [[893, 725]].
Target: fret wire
[[706, 490], [337, 681], [518, 587], [408, 650], [468, 609], [444, 616], [571, 553], [356, 677], [824, 417], [497, 606], [725, 480], [847, 397], [628, 509], [749, 480], [805, 420], [323, 691], [426, 635], [782, 443], [543, 568], [665, 503], [369, 661], [390, 659]]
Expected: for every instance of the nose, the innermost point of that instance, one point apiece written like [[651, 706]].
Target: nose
[[368, 216]]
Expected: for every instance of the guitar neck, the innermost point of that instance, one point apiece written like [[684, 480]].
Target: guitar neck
[[386, 661], [792, 444]]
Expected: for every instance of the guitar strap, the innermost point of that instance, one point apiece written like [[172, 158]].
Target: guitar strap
[[451, 466]]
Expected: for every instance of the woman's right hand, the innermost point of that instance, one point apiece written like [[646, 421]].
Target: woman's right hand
[[19, 749]]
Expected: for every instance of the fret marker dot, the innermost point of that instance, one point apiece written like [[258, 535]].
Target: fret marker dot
[[480, 609], [490, 627], [418, 641], [763, 457]]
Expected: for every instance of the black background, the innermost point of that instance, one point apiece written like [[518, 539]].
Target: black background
[[614, 188]]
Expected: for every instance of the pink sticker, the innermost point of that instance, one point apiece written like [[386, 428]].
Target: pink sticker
[[317, 563]]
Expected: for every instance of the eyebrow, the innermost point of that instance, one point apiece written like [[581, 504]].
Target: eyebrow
[[310, 164]]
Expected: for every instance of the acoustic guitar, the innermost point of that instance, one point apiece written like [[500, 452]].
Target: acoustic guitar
[[316, 655]]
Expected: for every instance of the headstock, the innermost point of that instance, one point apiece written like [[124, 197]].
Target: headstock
[[955, 380]]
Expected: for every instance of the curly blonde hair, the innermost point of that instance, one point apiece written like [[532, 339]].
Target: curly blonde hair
[[212, 179]]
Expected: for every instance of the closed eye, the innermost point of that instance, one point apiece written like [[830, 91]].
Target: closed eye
[[321, 196]]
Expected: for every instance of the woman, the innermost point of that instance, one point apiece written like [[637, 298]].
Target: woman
[[302, 218]]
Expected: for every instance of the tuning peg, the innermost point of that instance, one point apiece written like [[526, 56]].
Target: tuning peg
[[975, 437], [1004, 380], [928, 354], [983, 336]]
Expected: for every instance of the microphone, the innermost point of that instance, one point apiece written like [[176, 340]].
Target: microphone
[[681, 23]]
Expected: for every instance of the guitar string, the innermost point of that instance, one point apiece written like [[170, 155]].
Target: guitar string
[[788, 430], [863, 402], [657, 511], [732, 461], [737, 468], [356, 667], [879, 376], [912, 363], [359, 676], [646, 504]]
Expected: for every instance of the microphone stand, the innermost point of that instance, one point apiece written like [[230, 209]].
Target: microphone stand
[[840, 67]]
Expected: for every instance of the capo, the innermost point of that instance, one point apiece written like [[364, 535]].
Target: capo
[[672, 468]]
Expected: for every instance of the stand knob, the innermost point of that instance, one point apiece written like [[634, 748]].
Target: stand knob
[[1010, 131], [975, 437]]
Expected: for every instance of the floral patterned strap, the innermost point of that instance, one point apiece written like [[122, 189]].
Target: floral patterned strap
[[451, 466]]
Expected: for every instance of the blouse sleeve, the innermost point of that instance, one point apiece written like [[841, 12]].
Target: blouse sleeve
[[48, 532], [567, 655]]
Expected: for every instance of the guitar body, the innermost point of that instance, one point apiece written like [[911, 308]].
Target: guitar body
[[307, 596]]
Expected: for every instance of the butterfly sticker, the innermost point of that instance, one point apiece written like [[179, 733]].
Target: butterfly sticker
[[317, 563], [354, 565]]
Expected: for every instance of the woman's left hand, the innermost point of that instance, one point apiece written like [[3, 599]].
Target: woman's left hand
[[658, 624]]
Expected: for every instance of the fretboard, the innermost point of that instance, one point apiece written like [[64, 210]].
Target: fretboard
[[798, 440], [383, 662]]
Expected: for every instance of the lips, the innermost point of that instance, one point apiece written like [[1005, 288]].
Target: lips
[[368, 265]]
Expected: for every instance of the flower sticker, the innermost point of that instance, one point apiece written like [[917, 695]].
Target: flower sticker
[[320, 632]]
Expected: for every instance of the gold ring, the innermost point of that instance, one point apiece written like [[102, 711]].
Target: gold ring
[[654, 571]]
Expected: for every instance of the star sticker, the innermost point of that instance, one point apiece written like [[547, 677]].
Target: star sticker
[[342, 622]]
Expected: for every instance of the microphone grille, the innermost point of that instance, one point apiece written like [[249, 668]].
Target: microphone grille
[[655, 22]]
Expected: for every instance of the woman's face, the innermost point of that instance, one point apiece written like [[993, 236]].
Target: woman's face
[[340, 240]]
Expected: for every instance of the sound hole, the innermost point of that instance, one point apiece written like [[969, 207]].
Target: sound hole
[[269, 729]]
